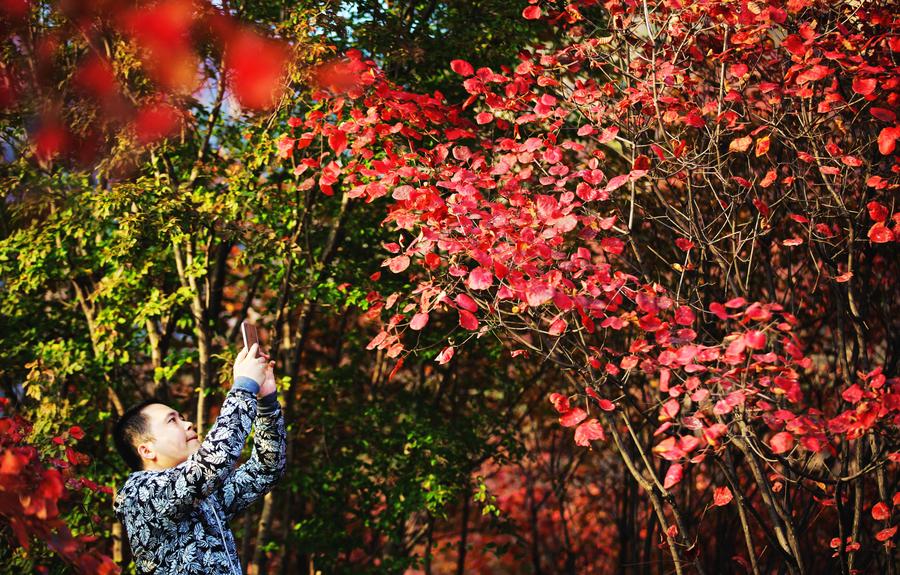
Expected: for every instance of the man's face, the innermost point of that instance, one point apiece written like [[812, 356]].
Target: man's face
[[171, 441]]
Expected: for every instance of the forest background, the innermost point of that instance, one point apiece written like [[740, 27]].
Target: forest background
[[467, 230]]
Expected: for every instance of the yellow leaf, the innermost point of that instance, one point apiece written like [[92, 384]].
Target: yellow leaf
[[740, 144]]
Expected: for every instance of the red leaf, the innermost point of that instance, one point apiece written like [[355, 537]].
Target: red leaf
[[480, 278], [466, 302], [531, 13], [573, 417], [468, 320], [257, 66], [735, 303], [462, 67], [558, 327], [877, 211], [880, 511], [670, 409], [606, 405], [817, 72], [484, 118], [884, 115], [852, 394], [538, 293], [445, 355], [864, 86], [673, 476], [718, 310], [612, 245], [684, 244], [886, 534], [418, 321], [76, 432], [762, 146], [376, 341], [722, 496], [684, 315], [781, 442], [608, 135], [589, 431], [397, 367], [755, 339], [629, 362], [560, 402], [616, 182], [398, 264], [879, 234], [887, 140], [338, 141]]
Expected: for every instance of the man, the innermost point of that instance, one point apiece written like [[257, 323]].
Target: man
[[176, 504]]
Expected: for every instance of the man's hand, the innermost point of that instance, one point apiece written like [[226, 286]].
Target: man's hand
[[268, 386], [246, 364]]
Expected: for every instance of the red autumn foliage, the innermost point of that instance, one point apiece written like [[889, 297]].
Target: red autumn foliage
[[31, 490], [625, 231], [99, 98]]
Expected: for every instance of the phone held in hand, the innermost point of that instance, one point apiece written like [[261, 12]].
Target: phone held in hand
[[251, 336]]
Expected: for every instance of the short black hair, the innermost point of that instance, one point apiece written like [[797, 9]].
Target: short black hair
[[130, 428]]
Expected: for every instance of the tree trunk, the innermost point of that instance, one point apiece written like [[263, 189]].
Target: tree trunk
[[258, 565], [463, 535]]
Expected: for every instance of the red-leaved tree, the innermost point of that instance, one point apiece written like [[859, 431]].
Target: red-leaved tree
[[688, 207]]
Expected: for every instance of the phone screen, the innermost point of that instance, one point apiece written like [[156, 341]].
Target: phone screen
[[250, 334]]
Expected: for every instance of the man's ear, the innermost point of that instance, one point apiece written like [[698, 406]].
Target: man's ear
[[146, 451]]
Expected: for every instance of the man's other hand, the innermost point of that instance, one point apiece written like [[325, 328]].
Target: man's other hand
[[268, 386], [247, 364]]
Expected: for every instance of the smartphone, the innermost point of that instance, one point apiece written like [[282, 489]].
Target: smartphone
[[251, 336]]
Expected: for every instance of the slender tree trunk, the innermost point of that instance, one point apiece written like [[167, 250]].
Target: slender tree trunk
[[205, 374], [462, 549], [247, 538], [258, 566], [117, 535]]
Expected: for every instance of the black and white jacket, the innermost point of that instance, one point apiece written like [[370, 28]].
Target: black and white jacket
[[177, 520]]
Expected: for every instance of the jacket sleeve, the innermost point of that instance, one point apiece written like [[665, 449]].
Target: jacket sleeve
[[266, 465], [174, 492]]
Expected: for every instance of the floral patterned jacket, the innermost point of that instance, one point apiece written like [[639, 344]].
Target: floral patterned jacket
[[177, 519]]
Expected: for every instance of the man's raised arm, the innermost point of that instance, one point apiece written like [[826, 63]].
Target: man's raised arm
[[265, 467]]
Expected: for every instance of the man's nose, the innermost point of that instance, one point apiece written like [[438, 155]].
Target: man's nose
[[188, 425]]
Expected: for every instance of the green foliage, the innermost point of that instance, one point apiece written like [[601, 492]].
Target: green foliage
[[414, 41]]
